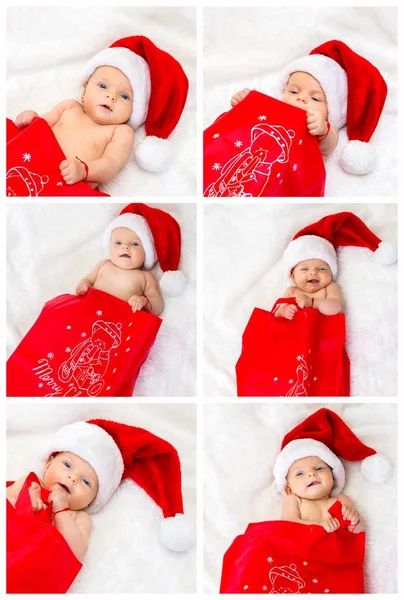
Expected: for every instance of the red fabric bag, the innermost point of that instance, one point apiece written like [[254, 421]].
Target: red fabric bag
[[261, 147], [282, 557], [92, 345], [39, 560], [302, 357], [33, 159]]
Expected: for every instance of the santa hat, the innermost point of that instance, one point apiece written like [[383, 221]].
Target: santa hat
[[160, 89], [116, 451], [355, 92], [321, 240], [326, 435], [160, 235]]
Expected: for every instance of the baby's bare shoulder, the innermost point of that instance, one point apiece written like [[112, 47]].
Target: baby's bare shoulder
[[124, 132], [71, 103], [82, 518], [333, 289]]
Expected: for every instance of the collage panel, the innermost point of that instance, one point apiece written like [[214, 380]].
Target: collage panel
[[122, 479], [336, 65], [292, 293], [103, 106], [295, 498], [86, 287]]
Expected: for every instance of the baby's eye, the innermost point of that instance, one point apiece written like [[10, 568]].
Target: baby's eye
[[303, 269], [86, 482], [299, 473], [319, 468], [125, 96], [293, 91], [135, 244], [67, 464], [117, 243], [102, 86]]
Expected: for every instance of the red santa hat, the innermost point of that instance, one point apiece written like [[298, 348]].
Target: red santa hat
[[321, 240], [326, 435], [116, 451], [160, 235], [355, 92], [160, 89]]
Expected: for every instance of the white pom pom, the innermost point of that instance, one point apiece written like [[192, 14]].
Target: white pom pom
[[386, 254], [376, 468], [153, 154], [172, 283], [358, 158], [176, 533]]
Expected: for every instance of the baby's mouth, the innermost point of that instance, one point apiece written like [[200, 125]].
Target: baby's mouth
[[124, 256], [106, 107], [313, 281], [314, 482], [64, 487]]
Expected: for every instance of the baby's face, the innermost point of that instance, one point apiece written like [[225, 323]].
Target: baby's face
[[305, 92], [126, 250], [312, 275], [68, 473], [310, 478], [107, 97]]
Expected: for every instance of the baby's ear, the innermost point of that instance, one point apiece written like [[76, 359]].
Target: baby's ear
[[288, 491]]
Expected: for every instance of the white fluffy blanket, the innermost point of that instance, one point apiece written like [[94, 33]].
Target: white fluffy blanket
[[243, 248], [125, 553], [248, 47], [48, 46], [52, 246], [238, 465]]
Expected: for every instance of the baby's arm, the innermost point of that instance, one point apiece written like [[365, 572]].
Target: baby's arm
[[151, 301], [75, 529], [332, 305], [52, 117], [237, 98], [350, 513], [89, 280], [291, 512], [318, 126], [115, 156], [287, 311]]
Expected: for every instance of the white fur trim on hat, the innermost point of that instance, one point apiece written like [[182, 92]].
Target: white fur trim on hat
[[94, 445], [332, 79], [306, 247], [302, 448], [136, 70], [153, 153], [139, 225], [176, 533]]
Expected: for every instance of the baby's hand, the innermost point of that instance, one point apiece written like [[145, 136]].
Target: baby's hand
[[82, 288], [287, 311], [237, 98], [302, 300], [350, 514], [316, 124], [137, 302], [25, 118], [58, 499], [35, 495], [330, 524], [72, 171]]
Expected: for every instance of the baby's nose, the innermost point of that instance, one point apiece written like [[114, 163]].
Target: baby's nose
[[111, 94], [73, 477]]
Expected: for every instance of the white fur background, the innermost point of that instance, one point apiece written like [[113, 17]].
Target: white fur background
[[248, 47], [50, 247], [48, 46], [243, 248], [125, 553], [238, 465]]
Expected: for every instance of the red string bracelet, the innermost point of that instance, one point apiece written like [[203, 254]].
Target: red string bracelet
[[320, 139], [61, 510], [355, 526], [148, 301], [85, 167]]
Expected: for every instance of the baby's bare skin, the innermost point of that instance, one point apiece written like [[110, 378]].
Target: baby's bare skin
[[121, 275], [92, 132]]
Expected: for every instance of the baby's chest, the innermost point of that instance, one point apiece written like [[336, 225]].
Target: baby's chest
[[126, 279], [315, 510]]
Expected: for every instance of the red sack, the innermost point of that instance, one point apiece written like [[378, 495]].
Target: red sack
[[39, 560], [261, 147], [302, 357], [92, 345], [33, 159], [282, 557]]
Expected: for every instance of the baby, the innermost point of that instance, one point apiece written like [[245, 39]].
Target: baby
[[308, 488], [313, 288], [73, 485], [305, 92], [94, 134], [122, 275]]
